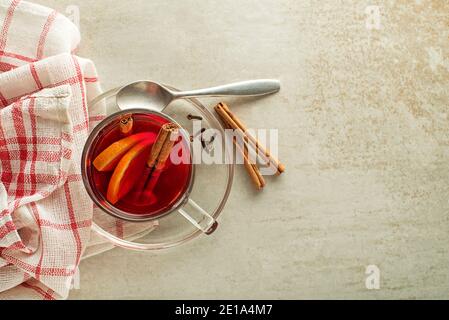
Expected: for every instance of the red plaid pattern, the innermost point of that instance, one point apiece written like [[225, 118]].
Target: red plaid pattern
[[45, 213]]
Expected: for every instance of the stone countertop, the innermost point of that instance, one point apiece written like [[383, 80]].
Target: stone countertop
[[363, 119]]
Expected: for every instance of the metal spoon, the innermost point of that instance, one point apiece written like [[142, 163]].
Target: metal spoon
[[148, 94]]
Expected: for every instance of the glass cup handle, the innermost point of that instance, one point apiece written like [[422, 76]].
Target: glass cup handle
[[205, 222]]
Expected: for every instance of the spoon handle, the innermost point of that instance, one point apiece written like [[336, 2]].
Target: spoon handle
[[245, 88]]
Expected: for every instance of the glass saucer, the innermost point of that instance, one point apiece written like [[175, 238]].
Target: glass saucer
[[210, 191]]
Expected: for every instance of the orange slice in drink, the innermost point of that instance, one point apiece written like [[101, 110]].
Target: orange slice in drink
[[128, 171], [108, 159]]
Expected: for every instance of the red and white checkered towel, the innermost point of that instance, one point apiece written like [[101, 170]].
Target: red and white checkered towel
[[45, 213]]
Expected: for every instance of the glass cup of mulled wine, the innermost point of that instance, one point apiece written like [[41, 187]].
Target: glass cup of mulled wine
[[133, 173]]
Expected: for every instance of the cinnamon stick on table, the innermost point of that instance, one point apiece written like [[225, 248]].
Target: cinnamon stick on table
[[251, 168], [234, 122]]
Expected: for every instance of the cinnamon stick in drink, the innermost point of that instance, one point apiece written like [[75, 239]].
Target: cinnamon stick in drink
[[163, 146], [126, 124], [158, 156]]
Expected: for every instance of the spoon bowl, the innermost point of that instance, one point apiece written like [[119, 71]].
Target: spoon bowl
[[144, 94]]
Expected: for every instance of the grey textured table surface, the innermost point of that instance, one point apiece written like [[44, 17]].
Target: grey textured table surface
[[363, 119]]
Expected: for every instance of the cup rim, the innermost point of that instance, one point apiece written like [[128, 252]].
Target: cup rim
[[111, 209]]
